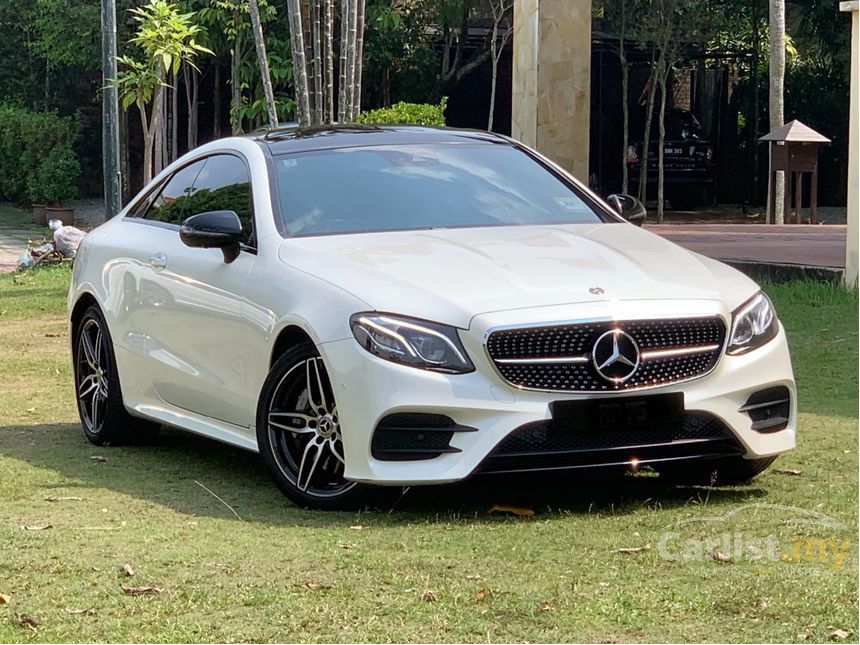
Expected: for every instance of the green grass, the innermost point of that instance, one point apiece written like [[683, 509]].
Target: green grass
[[283, 574], [19, 224]]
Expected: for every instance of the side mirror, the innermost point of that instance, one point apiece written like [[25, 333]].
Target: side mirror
[[628, 207], [213, 230]]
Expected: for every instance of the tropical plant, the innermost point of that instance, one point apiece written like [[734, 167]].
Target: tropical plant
[[166, 39], [55, 180]]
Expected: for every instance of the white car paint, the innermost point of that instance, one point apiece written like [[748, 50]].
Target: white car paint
[[194, 338]]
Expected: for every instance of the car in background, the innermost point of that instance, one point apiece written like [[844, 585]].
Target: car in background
[[689, 163]]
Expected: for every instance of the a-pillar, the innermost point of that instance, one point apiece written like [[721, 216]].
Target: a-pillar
[[552, 79]]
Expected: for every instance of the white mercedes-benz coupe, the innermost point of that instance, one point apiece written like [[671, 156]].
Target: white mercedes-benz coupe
[[401, 306]]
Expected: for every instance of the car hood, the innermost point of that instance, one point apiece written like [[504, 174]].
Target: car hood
[[452, 275]]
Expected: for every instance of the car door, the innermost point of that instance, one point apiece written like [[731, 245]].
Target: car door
[[193, 322]]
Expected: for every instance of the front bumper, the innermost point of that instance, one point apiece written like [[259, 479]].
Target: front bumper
[[367, 389]]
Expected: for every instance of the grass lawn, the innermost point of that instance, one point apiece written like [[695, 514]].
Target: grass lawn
[[439, 566]]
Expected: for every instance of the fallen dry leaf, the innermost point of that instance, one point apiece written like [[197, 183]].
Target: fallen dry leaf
[[26, 621], [633, 549], [519, 511], [51, 498], [141, 591], [473, 577], [429, 596], [51, 335], [788, 471], [316, 586], [31, 410], [546, 607], [37, 527], [838, 634], [719, 556], [482, 594], [81, 612], [356, 527], [98, 458], [5, 599], [127, 570]]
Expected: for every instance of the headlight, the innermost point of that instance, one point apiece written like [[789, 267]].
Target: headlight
[[753, 324], [417, 343]]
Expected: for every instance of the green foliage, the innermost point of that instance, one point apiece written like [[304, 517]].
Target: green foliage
[[28, 139], [414, 113], [55, 179], [167, 38]]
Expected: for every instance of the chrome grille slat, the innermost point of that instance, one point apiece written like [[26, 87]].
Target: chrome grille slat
[[672, 350]]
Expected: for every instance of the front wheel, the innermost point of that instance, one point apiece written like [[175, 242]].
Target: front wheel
[[299, 433]]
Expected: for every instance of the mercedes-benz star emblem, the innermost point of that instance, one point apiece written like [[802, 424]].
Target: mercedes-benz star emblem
[[615, 356]]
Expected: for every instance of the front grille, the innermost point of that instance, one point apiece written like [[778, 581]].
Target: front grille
[[543, 445], [670, 351]]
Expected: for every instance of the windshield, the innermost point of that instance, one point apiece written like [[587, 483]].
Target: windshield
[[382, 188]]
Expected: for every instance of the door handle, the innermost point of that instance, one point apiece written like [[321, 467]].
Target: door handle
[[158, 261]]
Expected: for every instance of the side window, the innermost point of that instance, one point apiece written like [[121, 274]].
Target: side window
[[172, 204], [224, 185]]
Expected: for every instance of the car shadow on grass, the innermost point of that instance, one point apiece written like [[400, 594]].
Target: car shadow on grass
[[173, 470]]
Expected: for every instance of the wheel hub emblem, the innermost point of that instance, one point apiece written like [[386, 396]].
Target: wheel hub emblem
[[596, 291], [615, 356], [326, 426]]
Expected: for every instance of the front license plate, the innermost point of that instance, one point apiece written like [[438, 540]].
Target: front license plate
[[618, 412]]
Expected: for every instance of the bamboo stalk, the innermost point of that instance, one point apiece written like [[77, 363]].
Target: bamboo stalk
[[300, 72], [316, 30], [328, 28]]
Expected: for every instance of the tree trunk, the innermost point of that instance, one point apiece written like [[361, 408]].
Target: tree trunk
[[646, 139], [776, 97], [174, 119], [343, 82], [494, 72], [300, 70], [147, 146], [328, 37], [216, 103], [319, 89], [352, 9], [123, 156], [235, 86], [664, 79], [625, 91], [192, 91], [263, 62], [358, 65]]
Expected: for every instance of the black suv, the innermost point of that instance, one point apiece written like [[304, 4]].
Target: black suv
[[688, 158]]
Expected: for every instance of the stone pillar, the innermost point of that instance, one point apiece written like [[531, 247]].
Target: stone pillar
[[552, 79], [852, 231]]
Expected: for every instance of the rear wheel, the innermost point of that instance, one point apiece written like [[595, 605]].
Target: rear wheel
[[727, 471], [97, 387], [299, 433]]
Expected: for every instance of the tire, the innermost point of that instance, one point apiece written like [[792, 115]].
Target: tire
[[298, 434], [728, 471], [98, 392]]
